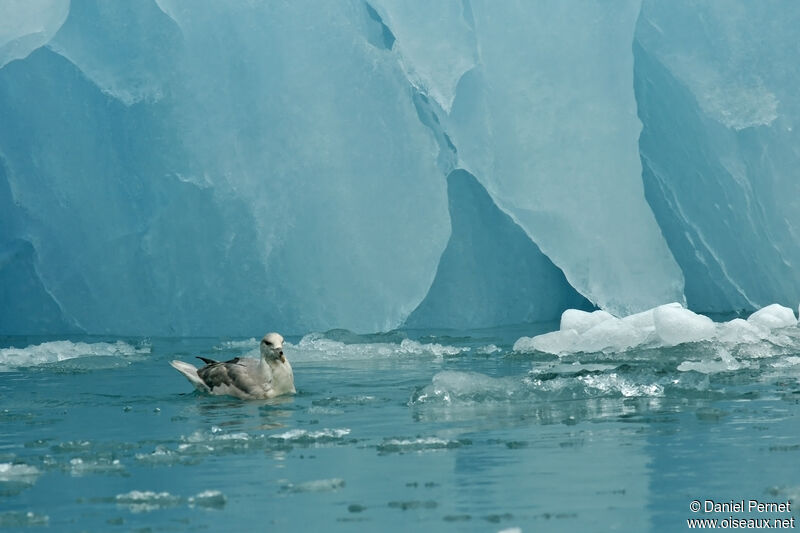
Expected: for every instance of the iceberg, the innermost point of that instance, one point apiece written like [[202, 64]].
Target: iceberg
[[182, 168]]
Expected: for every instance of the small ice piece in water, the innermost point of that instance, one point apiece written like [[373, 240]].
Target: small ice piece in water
[[676, 325], [726, 363], [211, 499], [317, 485], [23, 519], [787, 362], [138, 501], [303, 436], [739, 331], [78, 467], [419, 444], [18, 473], [773, 316], [614, 383], [555, 342], [489, 349], [451, 386]]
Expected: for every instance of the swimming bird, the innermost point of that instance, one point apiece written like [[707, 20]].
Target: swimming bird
[[246, 378]]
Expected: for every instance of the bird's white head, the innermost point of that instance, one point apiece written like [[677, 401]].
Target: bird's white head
[[272, 347]]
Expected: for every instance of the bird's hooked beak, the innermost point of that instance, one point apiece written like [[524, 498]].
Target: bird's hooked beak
[[282, 357]]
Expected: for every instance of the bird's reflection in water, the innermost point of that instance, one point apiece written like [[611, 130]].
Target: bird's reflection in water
[[254, 415]]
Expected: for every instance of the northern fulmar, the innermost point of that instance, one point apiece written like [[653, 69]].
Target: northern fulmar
[[246, 378]]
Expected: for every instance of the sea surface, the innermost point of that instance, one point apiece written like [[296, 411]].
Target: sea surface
[[402, 431]]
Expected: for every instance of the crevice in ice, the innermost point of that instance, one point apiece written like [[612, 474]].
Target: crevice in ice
[[466, 12], [380, 35], [434, 46], [491, 272], [426, 111]]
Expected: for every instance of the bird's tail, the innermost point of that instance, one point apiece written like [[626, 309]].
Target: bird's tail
[[190, 372]]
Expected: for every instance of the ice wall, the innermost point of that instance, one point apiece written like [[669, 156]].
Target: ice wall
[[716, 91], [184, 168], [225, 186]]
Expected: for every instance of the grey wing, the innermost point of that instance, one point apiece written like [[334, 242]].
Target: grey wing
[[232, 375], [208, 361]]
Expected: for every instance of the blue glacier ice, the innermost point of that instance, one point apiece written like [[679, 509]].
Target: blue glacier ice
[[182, 168], [487, 249], [25, 26], [717, 98]]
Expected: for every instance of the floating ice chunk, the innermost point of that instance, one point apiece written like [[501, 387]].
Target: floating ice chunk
[[315, 347], [164, 456], [212, 499], [78, 467], [738, 331], [488, 349], [581, 321], [51, 352], [418, 444], [676, 325], [303, 436], [318, 485], [787, 362], [666, 325], [18, 473], [556, 342], [452, 386], [612, 335], [773, 316], [645, 319], [614, 383], [725, 363], [138, 501], [438, 350], [609, 335]]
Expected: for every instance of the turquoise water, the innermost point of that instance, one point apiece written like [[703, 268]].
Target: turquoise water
[[395, 432]]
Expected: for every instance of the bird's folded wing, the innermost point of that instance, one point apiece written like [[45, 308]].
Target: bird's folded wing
[[232, 374]]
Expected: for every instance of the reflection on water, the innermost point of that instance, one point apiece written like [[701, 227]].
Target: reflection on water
[[431, 430]]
